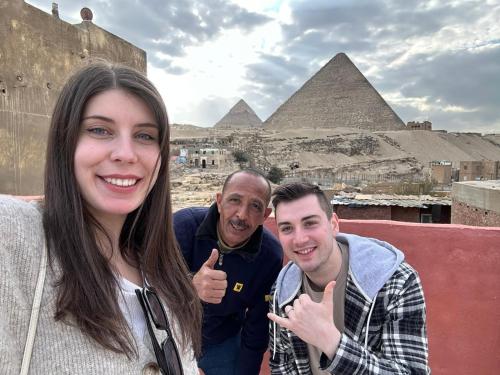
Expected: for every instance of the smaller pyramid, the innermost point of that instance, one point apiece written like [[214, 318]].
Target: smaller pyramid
[[240, 116]]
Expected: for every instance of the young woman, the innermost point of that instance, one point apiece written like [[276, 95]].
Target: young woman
[[106, 225]]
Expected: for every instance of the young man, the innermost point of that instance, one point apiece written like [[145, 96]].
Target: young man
[[344, 304], [235, 262]]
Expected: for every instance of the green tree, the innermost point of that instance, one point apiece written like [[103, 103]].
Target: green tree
[[240, 156], [275, 174]]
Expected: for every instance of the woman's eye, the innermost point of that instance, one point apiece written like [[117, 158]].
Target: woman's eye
[[98, 131], [146, 137]]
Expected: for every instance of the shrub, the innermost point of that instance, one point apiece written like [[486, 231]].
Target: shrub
[[275, 175], [240, 156]]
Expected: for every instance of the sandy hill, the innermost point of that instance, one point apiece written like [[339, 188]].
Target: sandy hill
[[427, 146]]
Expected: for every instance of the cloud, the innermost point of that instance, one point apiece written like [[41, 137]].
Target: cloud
[[208, 111], [430, 60], [435, 60], [165, 27]]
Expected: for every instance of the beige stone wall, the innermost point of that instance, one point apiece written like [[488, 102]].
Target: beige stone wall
[[441, 174], [491, 169], [37, 54]]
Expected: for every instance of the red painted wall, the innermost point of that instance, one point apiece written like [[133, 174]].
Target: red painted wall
[[460, 271]]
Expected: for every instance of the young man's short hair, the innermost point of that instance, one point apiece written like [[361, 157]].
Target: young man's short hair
[[296, 190]]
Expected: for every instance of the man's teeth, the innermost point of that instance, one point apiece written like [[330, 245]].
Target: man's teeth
[[238, 227], [120, 181], [305, 251]]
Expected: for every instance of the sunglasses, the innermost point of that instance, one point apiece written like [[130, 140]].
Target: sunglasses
[[166, 354]]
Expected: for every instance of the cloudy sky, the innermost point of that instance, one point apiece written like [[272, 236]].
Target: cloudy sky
[[435, 60]]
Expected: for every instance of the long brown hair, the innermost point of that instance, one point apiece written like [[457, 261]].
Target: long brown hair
[[87, 287]]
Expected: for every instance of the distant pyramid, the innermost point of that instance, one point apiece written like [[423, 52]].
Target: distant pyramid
[[338, 95], [240, 116]]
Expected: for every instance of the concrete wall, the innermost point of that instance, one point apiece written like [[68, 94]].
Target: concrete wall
[[37, 53], [459, 267]]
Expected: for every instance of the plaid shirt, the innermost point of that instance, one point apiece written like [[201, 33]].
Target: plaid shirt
[[397, 338]]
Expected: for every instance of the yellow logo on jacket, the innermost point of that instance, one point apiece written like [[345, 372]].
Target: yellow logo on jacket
[[238, 287]]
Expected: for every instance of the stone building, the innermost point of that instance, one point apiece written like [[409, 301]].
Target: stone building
[[240, 116], [207, 157], [415, 125], [479, 170], [441, 171], [476, 203], [338, 95], [38, 51]]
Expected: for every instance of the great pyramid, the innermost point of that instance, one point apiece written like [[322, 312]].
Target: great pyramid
[[338, 95], [240, 116]]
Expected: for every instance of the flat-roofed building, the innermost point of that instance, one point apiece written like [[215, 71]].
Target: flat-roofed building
[[476, 203]]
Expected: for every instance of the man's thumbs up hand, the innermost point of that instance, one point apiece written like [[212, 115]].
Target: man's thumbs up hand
[[212, 259], [312, 322], [210, 284]]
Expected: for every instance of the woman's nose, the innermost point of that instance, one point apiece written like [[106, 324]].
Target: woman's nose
[[124, 150]]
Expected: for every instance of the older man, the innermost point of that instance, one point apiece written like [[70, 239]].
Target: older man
[[235, 262], [344, 304]]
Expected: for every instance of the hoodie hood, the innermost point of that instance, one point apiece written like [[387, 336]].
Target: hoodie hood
[[371, 263]]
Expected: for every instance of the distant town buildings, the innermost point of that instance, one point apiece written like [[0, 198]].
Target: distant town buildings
[[479, 170], [476, 203], [210, 158], [414, 125]]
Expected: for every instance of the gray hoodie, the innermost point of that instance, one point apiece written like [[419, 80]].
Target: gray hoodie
[[371, 264]]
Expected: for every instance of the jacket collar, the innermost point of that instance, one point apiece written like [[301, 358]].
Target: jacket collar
[[208, 230]]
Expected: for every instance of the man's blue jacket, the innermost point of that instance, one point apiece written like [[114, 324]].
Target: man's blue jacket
[[251, 271]]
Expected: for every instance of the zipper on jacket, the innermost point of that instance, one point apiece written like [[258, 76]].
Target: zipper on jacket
[[221, 258]]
